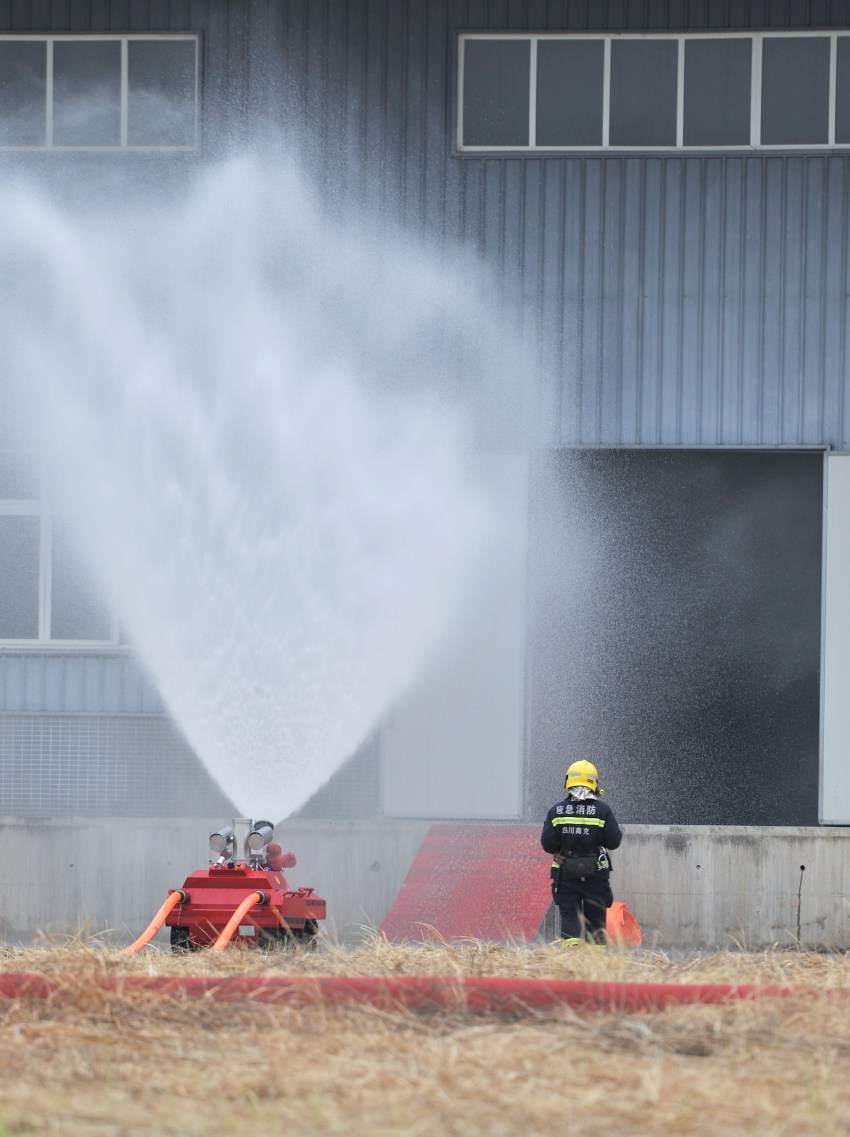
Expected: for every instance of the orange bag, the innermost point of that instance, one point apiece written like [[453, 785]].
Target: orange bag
[[622, 927]]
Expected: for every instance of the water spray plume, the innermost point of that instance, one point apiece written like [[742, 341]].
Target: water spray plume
[[241, 405]]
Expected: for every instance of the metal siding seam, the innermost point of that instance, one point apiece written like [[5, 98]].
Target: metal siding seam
[[641, 301], [717, 380], [793, 222], [734, 387], [761, 355], [422, 149], [33, 683], [325, 51], [530, 268], [654, 425], [129, 686], [831, 254], [599, 377], [112, 685], [814, 376], [395, 84], [678, 387], [590, 310], [652, 214], [821, 373], [52, 694], [14, 687], [690, 290], [548, 325], [572, 294], [98, 16], [664, 307], [549, 301], [560, 377], [618, 259], [773, 299], [522, 180], [792, 249], [93, 692], [578, 426], [709, 293]]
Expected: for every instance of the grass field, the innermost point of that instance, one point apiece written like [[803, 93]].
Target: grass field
[[87, 1062]]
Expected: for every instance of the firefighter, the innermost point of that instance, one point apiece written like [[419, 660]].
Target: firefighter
[[579, 832]]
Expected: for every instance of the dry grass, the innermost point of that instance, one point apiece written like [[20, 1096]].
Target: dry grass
[[91, 1063]]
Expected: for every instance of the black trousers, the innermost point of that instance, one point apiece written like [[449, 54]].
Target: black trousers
[[584, 910]]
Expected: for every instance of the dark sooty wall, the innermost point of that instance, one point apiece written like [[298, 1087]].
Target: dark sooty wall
[[675, 633]]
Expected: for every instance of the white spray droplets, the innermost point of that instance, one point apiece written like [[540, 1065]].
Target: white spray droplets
[[231, 392]]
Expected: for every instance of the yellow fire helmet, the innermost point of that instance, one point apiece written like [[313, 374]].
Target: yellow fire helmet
[[582, 773]]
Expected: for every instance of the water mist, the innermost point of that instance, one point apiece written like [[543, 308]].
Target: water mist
[[241, 403]]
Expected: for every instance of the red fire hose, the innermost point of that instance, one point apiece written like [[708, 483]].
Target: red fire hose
[[421, 992]]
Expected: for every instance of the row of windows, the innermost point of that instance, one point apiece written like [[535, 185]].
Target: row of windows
[[99, 92], [689, 91], [46, 594]]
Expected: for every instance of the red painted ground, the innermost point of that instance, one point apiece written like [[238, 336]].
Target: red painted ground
[[489, 882]]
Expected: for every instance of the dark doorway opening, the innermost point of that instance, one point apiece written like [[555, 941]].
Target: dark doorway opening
[[674, 633]]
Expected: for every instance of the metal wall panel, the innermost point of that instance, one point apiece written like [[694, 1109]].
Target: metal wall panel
[[667, 300], [75, 684], [102, 765]]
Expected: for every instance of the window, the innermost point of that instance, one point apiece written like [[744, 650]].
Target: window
[[46, 593], [99, 92], [795, 91], [496, 99], [717, 90], [570, 76], [644, 75], [23, 93], [77, 607], [669, 92], [19, 574]]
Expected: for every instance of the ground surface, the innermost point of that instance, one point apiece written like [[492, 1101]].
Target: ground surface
[[88, 1063]]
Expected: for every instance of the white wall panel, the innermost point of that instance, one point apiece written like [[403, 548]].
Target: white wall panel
[[835, 668]]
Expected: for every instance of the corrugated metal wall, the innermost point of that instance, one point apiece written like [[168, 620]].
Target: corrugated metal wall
[[695, 300], [102, 765], [67, 683]]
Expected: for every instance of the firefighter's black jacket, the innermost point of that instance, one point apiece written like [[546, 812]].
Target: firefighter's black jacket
[[582, 827]]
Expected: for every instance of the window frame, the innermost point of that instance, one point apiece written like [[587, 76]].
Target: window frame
[[39, 507], [754, 145], [124, 40]]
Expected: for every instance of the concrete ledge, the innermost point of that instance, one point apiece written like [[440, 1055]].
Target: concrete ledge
[[724, 887]]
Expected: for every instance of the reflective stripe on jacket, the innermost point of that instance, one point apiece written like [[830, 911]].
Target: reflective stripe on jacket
[[581, 827]]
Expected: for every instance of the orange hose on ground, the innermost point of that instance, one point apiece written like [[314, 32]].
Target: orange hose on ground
[[233, 923], [178, 896]]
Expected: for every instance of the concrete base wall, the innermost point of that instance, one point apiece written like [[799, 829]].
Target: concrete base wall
[[721, 887], [62, 876], [689, 887]]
